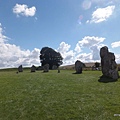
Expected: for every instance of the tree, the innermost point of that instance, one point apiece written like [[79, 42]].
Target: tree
[[97, 64], [51, 57]]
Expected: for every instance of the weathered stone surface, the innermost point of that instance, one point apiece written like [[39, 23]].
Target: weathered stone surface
[[78, 66], [108, 64], [33, 68], [20, 69], [46, 68]]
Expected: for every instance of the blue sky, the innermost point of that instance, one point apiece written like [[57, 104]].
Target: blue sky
[[75, 28]]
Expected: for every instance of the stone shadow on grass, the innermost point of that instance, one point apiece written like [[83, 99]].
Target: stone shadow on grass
[[76, 73], [105, 79]]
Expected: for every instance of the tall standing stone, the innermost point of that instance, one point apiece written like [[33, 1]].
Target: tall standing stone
[[20, 69], [33, 68], [78, 66], [108, 64]]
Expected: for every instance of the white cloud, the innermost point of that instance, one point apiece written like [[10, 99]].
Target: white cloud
[[67, 54], [102, 14], [13, 56], [93, 44], [95, 50], [78, 48], [88, 41], [2, 37], [63, 48], [24, 10], [87, 21], [117, 58], [115, 44], [84, 57]]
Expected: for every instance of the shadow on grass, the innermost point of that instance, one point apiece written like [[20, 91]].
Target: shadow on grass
[[45, 72], [76, 73], [105, 79]]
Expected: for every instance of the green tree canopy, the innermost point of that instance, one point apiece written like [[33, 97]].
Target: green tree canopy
[[51, 57], [97, 64]]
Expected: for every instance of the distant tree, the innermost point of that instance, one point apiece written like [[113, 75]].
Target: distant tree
[[51, 57], [97, 64]]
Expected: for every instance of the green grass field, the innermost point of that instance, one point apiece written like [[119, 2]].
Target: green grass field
[[58, 96]]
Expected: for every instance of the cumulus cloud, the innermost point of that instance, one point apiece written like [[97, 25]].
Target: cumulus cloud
[[115, 44], [24, 10], [95, 51], [2, 37], [13, 56], [102, 14], [117, 58], [93, 44], [88, 41], [66, 53], [64, 47], [78, 48], [84, 57]]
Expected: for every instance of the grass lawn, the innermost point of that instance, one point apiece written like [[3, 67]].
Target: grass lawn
[[58, 96]]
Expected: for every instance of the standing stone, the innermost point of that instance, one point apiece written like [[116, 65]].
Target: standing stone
[[46, 68], [78, 66], [108, 64], [20, 69], [33, 68]]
